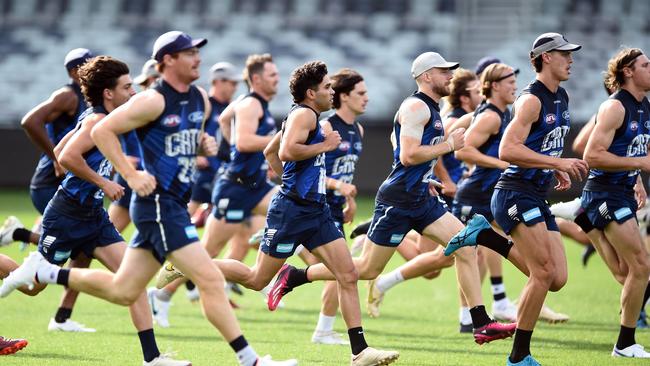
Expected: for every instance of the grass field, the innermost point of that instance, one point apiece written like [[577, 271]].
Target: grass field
[[419, 318]]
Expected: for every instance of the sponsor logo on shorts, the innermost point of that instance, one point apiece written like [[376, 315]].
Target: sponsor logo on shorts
[[284, 248], [61, 256], [47, 242], [172, 120], [550, 118], [531, 214], [235, 214], [396, 238], [622, 213], [191, 233], [604, 211]]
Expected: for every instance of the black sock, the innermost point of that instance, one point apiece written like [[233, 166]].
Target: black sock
[[21, 234], [357, 340], [480, 317], [498, 292], [62, 314], [583, 221], [491, 239], [63, 276], [521, 345], [148, 344], [625, 337], [239, 343], [646, 296], [190, 285], [297, 277]]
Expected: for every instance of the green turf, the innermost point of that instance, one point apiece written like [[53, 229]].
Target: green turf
[[419, 318]]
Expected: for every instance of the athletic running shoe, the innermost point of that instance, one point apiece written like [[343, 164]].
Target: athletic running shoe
[[375, 298], [466, 328], [493, 331], [256, 238], [7, 230], [547, 314], [167, 274], [566, 210], [280, 287], [633, 351], [527, 361], [642, 322], [361, 229], [159, 308], [68, 326], [265, 295], [328, 337], [201, 215], [587, 253], [23, 275], [234, 287], [374, 357], [267, 361], [504, 310], [166, 360], [467, 236], [10, 346], [193, 294]]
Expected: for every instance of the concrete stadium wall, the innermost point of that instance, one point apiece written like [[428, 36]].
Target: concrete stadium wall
[[19, 158]]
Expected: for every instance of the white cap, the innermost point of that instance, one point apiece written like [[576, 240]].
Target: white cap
[[429, 60], [148, 70], [225, 71]]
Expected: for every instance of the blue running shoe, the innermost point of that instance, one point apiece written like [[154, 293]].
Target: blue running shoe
[[528, 361], [467, 236], [642, 322]]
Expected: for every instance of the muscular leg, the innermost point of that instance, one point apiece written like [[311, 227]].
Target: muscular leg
[[69, 296]]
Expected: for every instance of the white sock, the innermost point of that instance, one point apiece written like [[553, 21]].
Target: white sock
[[385, 282], [163, 295], [247, 356], [501, 303], [464, 316], [325, 323], [47, 273]]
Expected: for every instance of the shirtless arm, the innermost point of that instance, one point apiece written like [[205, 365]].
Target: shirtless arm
[[296, 131]]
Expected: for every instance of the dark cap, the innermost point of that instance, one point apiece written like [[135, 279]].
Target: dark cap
[[77, 57], [174, 41], [552, 42], [485, 62]]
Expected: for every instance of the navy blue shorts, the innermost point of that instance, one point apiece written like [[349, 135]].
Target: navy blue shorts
[[605, 207], [513, 207], [162, 225], [465, 211], [41, 197], [236, 201], [289, 224], [65, 236], [125, 201], [204, 181], [390, 224]]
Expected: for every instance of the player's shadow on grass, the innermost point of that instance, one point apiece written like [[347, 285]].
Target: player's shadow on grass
[[581, 345], [57, 356], [586, 325]]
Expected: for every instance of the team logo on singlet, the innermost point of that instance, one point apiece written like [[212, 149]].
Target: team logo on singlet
[[195, 117], [634, 125], [437, 125], [550, 118], [566, 115], [647, 124], [172, 120], [358, 146], [344, 146]]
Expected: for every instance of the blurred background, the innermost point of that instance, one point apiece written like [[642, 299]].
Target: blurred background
[[379, 38]]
